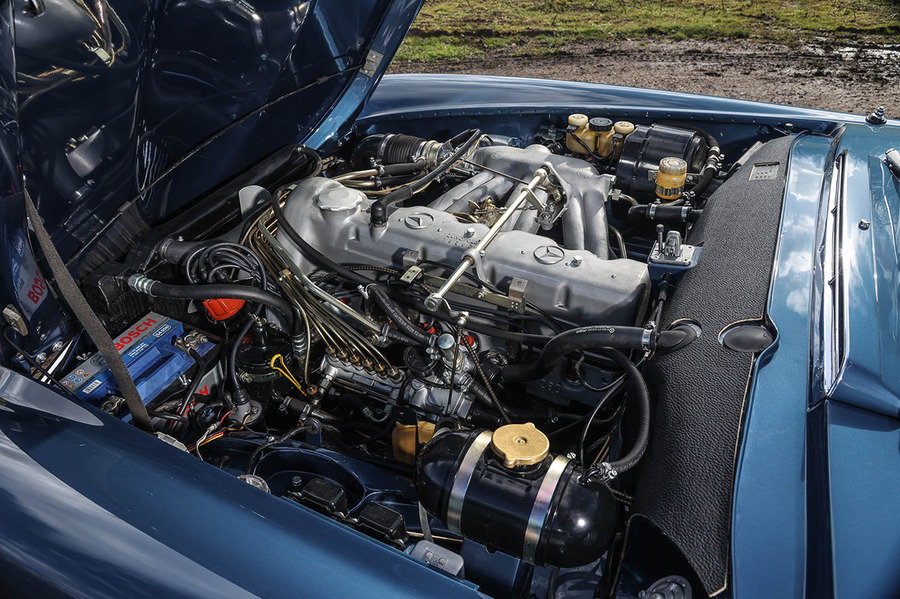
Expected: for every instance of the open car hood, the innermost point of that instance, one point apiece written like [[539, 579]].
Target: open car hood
[[109, 102]]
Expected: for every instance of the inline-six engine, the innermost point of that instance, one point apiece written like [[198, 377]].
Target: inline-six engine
[[571, 276]]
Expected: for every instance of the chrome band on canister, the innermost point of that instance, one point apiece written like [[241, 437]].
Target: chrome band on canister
[[541, 507], [462, 479]]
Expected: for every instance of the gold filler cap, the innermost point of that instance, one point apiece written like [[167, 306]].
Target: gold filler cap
[[520, 445]]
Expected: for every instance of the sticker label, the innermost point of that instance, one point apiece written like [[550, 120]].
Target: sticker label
[[31, 289], [131, 343], [764, 171]]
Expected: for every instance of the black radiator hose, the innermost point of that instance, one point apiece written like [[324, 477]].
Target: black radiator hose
[[638, 393], [595, 338]]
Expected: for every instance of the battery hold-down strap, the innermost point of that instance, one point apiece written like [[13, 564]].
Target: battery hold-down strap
[[89, 320]]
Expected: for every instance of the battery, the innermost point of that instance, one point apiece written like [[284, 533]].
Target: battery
[[155, 350]]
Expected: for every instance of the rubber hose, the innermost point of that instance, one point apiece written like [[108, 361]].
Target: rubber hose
[[638, 392], [314, 255], [416, 334], [378, 210], [312, 155], [195, 383], [173, 251], [707, 175], [232, 355], [380, 297], [390, 148], [481, 393], [675, 338], [522, 415], [669, 214], [595, 338], [225, 291], [407, 168]]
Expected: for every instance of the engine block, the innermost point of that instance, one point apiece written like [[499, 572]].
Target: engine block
[[575, 282]]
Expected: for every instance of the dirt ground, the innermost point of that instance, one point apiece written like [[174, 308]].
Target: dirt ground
[[846, 78]]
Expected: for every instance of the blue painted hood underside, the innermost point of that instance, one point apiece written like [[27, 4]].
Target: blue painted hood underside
[[109, 97]]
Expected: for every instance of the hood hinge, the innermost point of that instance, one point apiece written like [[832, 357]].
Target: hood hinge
[[373, 61]]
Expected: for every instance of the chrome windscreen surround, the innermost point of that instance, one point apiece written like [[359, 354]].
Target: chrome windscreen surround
[[462, 479], [541, 507]]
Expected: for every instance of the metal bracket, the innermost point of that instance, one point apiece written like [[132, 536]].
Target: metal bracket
[[412, 273], [15, 320], [517, 294], [556, 203], [685, 256], [410, 258], [373, 61], [502, 301]]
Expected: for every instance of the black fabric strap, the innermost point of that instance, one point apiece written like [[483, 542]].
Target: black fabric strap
[[88, 319]]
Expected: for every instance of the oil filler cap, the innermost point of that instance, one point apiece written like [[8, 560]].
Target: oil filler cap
[[520, 445]]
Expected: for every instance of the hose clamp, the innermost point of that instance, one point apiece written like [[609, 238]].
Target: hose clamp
[[541, 507], [646, 339], [651, 212], [462, 478], [685, 213]]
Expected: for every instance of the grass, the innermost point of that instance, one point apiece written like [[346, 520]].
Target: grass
[[460, 29]]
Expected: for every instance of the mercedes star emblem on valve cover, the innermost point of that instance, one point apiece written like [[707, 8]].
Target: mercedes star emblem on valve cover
[[549, 254]]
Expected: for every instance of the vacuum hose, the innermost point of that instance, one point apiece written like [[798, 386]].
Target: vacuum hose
[[597, 338]]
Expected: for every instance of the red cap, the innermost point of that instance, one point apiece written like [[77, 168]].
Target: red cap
[[222, 309]]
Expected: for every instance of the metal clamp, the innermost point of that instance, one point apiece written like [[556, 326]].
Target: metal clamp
[[463, 477], [541, 507]]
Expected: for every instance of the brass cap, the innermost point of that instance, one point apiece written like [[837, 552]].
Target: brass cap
[[520, 444]]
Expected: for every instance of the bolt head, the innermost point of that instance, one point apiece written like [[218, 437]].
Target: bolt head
[[40, 358], [58, 346], [865, 224], [577, 260]]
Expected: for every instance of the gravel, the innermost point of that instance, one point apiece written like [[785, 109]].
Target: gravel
[[844, 78]]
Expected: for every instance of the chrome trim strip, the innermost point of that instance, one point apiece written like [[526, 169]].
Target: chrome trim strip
[[541, 507], [463, 477], [834, 308]]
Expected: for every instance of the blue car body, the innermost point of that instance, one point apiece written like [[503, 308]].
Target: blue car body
[[95, 508]]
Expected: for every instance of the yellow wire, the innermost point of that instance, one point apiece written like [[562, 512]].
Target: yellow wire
[[277, 363]]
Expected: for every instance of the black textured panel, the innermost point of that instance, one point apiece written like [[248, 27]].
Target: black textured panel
[[685, 486]]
